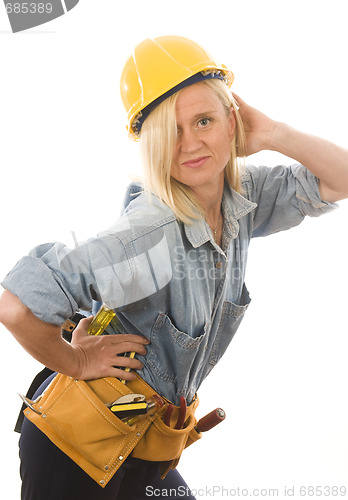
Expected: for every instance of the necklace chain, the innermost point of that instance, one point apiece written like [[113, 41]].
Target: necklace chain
[[215, 230]]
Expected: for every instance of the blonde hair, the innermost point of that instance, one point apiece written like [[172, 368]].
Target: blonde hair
[[157, 141]]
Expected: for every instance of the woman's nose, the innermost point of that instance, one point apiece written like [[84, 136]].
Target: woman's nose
[[189, 141]]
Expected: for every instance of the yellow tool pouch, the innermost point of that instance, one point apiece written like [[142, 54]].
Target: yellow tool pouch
[[74, 416]]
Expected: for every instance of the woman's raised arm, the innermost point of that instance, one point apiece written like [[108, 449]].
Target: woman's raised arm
[[325, 160]]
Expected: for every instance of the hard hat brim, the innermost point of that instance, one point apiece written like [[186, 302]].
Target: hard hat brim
[[209, 74]]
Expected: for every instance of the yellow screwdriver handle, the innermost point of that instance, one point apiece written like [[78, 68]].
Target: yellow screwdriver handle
[[101, 320]]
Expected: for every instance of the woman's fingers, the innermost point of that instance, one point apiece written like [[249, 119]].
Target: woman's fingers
[[120, 374], [100, 356], [128, 338], [238, 100], [126, 362]]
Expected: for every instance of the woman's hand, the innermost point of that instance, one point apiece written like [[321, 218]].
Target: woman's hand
[[101, 355], [258, 127], [325, 160]]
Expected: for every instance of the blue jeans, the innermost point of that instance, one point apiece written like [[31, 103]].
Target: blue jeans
[[48, 474]]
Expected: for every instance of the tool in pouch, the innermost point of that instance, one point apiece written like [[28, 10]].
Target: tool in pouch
[[204, 424]]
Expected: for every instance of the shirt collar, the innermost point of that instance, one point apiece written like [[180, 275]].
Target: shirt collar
[[234, 206]]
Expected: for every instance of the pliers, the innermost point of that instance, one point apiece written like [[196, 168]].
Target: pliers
[[182, 414]]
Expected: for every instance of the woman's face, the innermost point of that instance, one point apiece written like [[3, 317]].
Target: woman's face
[[205, 132]]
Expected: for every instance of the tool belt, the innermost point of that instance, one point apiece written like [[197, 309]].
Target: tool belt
[[74, 415]]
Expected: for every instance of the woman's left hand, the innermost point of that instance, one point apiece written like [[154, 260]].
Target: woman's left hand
[[257, 126]]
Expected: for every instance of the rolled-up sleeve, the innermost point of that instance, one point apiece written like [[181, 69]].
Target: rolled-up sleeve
[[40, 289], [122, 265], [284, 195], [55, 281]]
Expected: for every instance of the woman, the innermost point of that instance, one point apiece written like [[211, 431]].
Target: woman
[[173, 265]]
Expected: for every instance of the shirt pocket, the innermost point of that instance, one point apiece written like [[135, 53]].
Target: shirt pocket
[[231, 317], [172, 353]]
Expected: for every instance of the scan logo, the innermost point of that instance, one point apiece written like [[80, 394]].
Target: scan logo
[[25, 15]]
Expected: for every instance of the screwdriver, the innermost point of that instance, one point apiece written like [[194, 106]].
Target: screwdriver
[[130, 355], [100, 321]]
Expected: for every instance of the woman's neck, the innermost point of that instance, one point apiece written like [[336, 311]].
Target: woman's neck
[[209, 198]]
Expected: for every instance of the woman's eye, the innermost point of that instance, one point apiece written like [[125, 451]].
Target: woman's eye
[[203, 122]]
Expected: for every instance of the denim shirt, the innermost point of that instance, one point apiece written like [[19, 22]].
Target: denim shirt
[[167, 280]]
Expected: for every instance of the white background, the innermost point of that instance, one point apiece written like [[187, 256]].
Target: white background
[[65, 162]]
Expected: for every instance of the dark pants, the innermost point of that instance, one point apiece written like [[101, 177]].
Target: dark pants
[[48, 474]]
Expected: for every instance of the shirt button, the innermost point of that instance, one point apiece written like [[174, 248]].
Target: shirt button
[[218, 265]]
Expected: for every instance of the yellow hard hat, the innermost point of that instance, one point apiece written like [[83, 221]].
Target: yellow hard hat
[[158, 68]]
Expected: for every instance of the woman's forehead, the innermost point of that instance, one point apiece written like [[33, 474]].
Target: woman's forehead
[[195, 99]]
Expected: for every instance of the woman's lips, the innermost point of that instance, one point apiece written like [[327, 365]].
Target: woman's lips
[[196, 162]]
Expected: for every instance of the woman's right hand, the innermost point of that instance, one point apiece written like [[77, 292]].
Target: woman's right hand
[[102, 355]]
